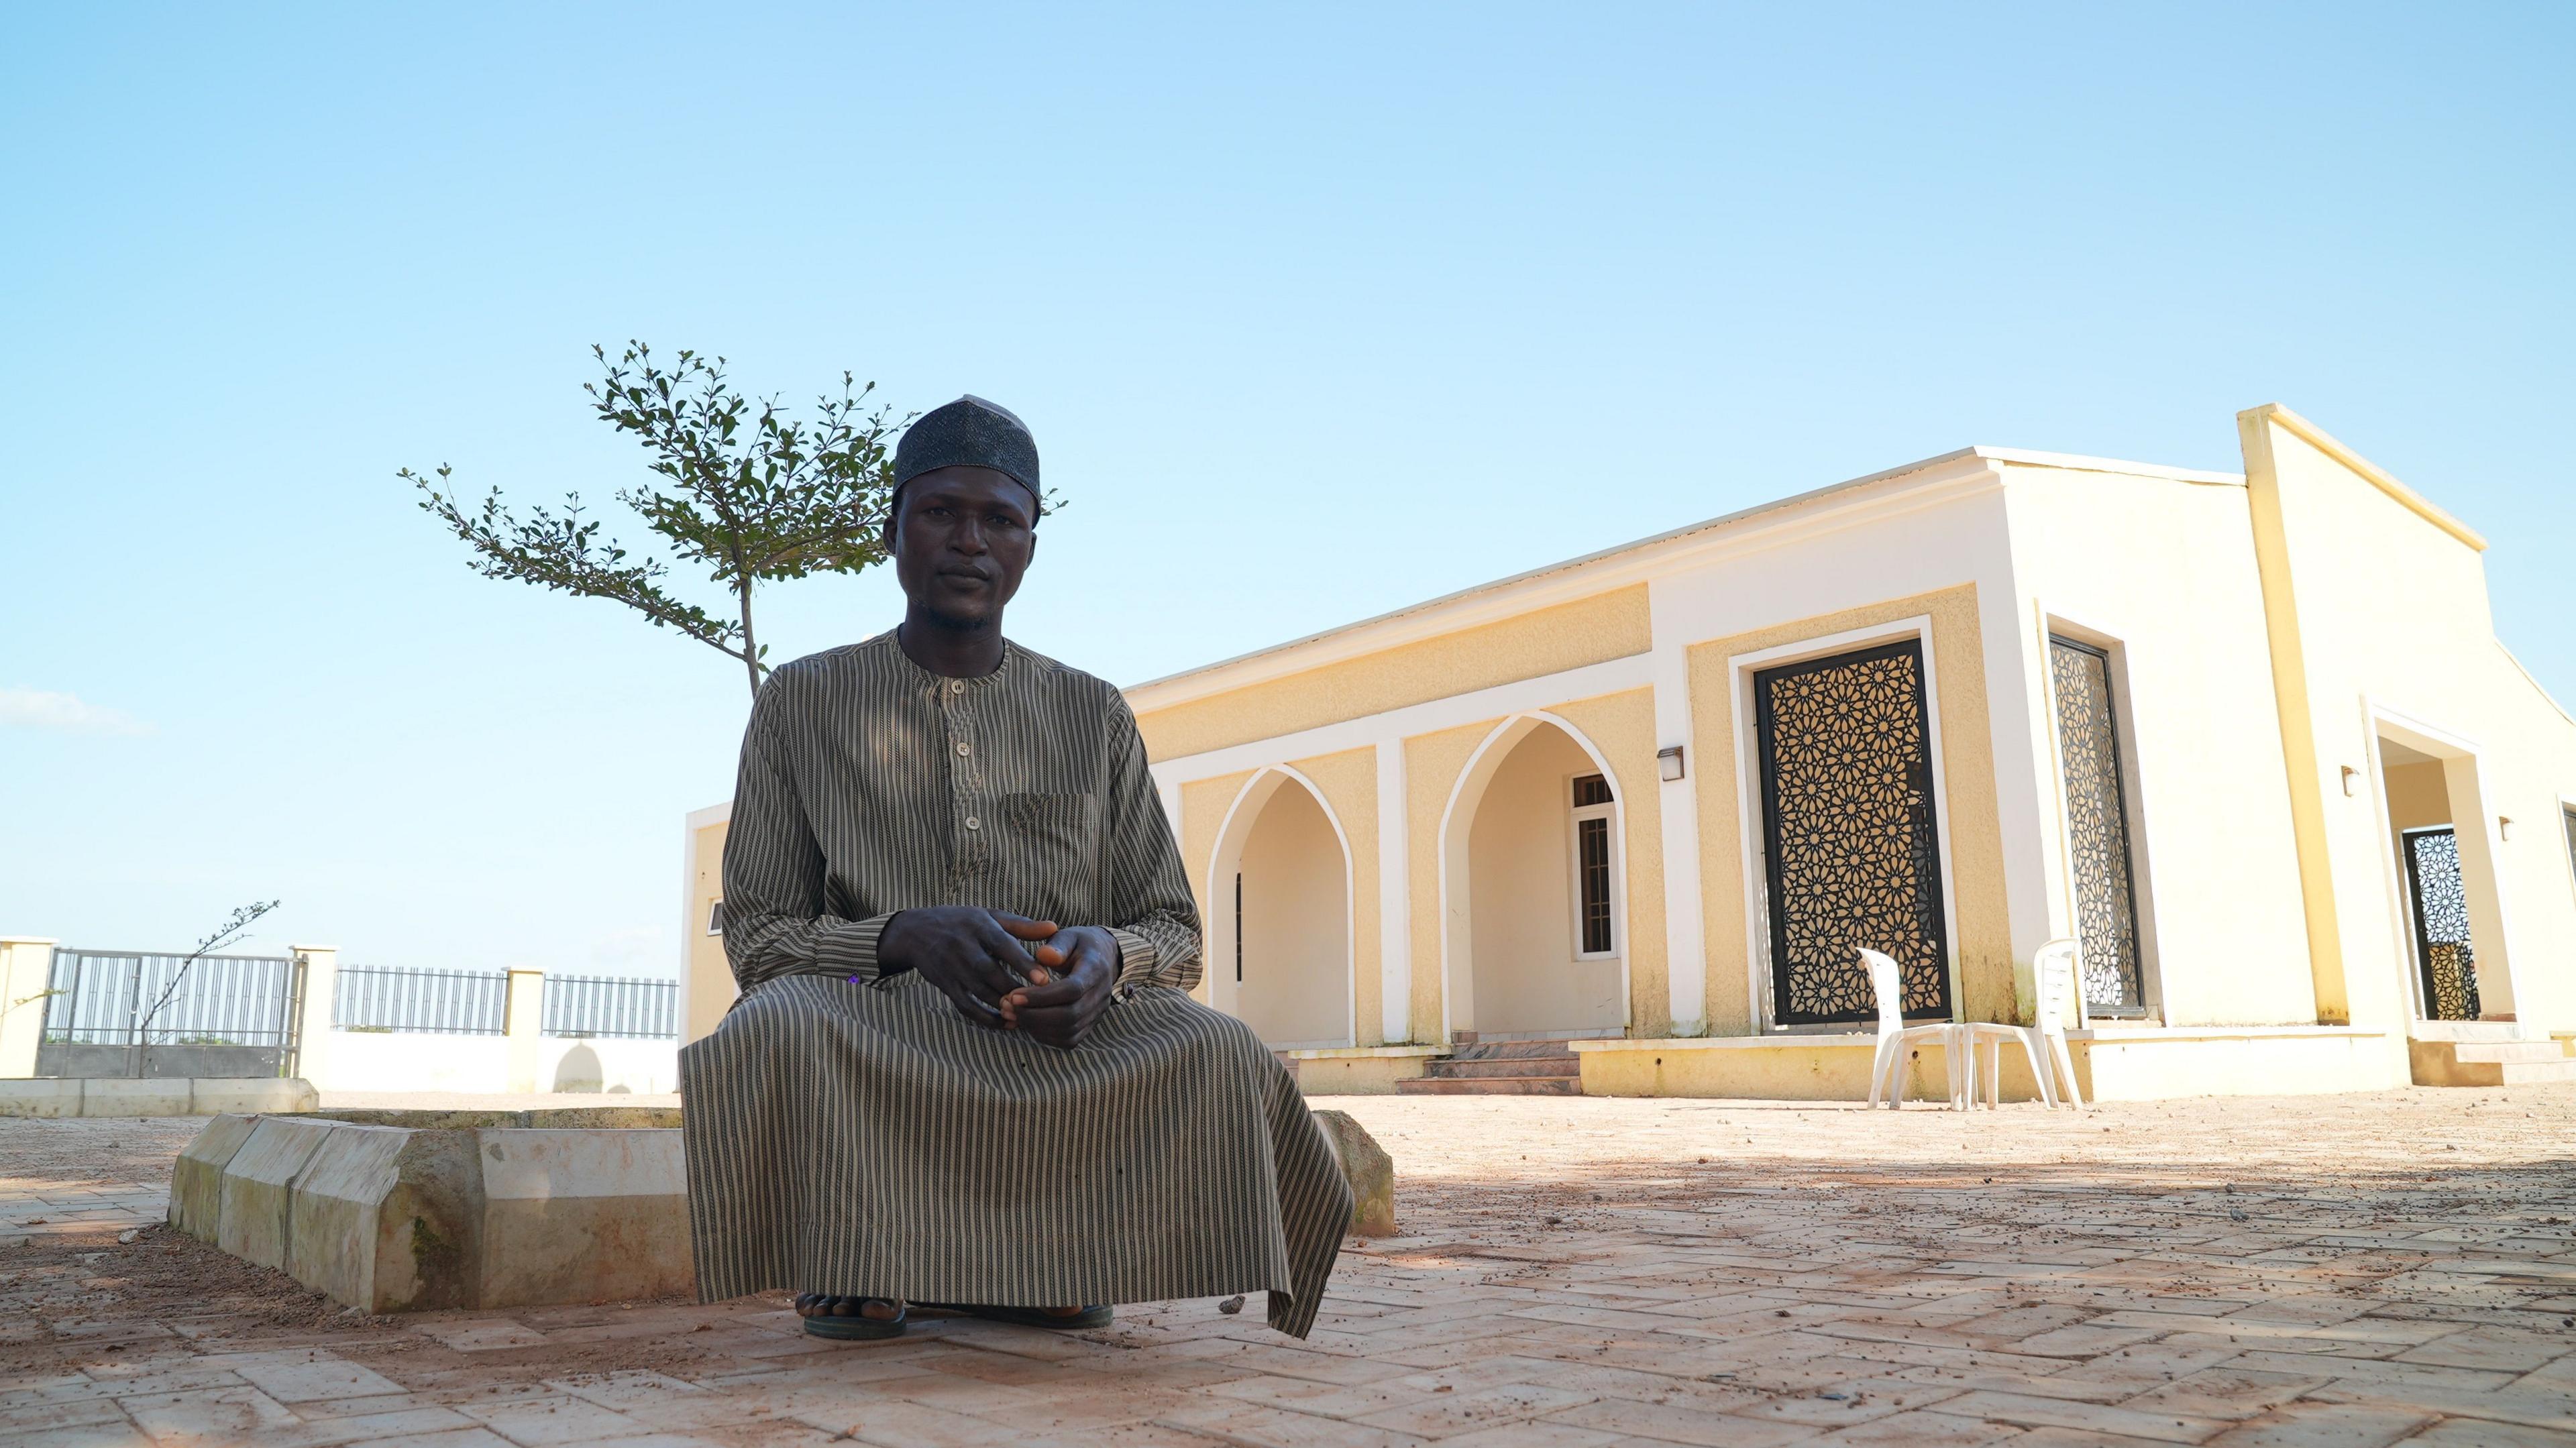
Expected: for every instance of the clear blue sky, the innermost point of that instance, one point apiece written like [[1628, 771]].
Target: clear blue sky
[[1315, 311]]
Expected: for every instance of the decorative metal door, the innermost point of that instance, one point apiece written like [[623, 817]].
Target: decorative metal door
[[2441, 924], [2097, 828], [1851, 845]]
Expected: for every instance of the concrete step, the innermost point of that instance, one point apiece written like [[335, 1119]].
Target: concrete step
[[2520, 1073], [2502, 1052], [1514, 1051], [2468, 1031], [1491, 1086], [1459, 1068]]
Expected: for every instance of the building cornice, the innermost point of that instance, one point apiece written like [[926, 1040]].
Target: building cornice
[[1626, 564]]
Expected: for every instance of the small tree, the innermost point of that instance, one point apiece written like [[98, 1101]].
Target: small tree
[[750, 497], [231, 931]]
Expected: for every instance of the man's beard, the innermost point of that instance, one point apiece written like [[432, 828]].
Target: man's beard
[[952, 623]]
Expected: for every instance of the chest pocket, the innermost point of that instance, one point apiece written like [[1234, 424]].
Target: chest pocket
[[1052, 844], [1050, 823]]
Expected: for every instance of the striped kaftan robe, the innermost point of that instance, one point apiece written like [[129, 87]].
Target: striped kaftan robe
[[849, 1132]]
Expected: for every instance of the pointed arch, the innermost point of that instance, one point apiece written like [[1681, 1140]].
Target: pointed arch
[[1225, 863], [1457, 820]]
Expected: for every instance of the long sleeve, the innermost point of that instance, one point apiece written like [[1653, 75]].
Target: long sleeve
[[1151, 911], [774, 891]]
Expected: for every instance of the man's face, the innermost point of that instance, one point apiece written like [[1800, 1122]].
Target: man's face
[[960, 539]]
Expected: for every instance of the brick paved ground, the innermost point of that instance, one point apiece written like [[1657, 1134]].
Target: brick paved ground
[[2357, 1270]]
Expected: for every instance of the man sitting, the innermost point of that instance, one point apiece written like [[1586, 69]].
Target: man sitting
[[963, 1068]]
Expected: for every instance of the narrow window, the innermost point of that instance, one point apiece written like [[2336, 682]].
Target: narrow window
[[1592, 801], [2568, 818], [715, 918], [1238, 928]]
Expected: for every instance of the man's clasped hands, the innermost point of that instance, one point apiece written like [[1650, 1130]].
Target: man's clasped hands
[[982, 961]]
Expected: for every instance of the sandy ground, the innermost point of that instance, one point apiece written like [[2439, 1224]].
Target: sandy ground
[[2394, 1267]]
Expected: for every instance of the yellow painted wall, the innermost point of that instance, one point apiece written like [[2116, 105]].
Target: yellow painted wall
[[1980, 918], [1348, 780], [2373, 596], [2416, 798], [1519, 886], [709, 987], [2164, 571], [1296, 925], [1545, 641]]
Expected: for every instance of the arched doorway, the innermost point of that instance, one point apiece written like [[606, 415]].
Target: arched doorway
[[1279, 918], [1534, 914]]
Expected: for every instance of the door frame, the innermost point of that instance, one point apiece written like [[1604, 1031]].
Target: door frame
[[1741, 669], [2382, 722]]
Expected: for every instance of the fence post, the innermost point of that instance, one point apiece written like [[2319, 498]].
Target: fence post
[[525, 1017], [321, 967], [26, 973]]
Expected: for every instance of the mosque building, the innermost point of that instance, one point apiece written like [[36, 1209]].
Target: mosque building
[[1617, 825]]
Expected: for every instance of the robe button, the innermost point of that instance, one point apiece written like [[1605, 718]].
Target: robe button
[[973, 823], [965, 748], [957, 686]]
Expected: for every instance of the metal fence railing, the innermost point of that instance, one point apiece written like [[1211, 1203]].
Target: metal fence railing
[[437, 1002], [585, 1005], [107, 998]]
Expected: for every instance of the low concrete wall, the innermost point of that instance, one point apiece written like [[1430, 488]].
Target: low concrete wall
[[1359, 1070], [410, 1061], [391, 1216], [2111, 1064], [66, 1058], [2148, 1064], [1770, 1068], [153, 1096]]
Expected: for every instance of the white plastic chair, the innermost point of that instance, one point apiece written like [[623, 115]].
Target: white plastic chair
[[1885, 1073], [2045, 1043]]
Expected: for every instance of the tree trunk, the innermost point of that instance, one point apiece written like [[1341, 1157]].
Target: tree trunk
[[750, 645]]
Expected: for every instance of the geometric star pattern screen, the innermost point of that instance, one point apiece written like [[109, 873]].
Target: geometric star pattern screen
[[2097, 827], [2442, 925], [1852, 847]]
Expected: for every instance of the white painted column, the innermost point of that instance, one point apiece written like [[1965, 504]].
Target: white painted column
[[26, 972], [1394, 896], [1685, 925], [321, 965]]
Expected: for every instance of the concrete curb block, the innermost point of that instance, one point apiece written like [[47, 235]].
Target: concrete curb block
[[197, 1178], [391, 1217], [61, 1096], [407, 1219]]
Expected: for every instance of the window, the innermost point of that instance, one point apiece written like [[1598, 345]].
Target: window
[[1592, 801], [715, 918], [2567, 815]]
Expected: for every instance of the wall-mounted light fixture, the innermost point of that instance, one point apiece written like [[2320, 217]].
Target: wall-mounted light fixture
[[2349, 775], [1668, 763], [2504, 827]]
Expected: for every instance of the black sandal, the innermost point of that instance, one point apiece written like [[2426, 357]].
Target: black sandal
[[858, 1327]]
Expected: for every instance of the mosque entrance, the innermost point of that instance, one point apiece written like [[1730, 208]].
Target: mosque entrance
[[2446, 871], [1281, 942], [1850, 839], [1536, 906]]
